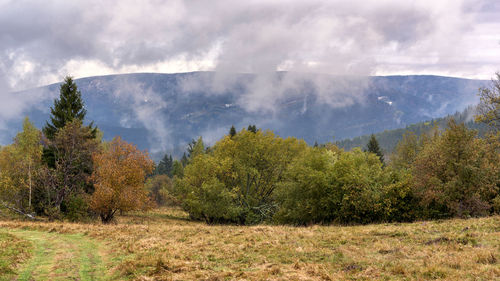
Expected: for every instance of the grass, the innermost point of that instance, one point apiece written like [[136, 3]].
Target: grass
[[164, 245], [57, 256], [13, 251]]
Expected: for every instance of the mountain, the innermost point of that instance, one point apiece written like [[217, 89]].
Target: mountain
[[163, 112]]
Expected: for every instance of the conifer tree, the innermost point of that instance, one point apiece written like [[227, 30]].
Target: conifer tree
[[184, 160], [252, 128], [232, 131], [67, 108], [374, 147], [165, 166]]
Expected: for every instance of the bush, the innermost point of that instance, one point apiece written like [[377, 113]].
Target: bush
[[245, 170], [456, 174], [346, 187], [359, 180], [161, 190], [76, 208], [307, 194]]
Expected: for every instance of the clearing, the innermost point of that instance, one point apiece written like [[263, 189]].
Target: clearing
[[53, 256], [164, 245]]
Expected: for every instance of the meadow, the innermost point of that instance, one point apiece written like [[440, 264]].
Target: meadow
[[163, 244]]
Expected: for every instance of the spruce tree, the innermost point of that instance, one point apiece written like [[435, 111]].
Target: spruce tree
[[374, 147], [165, 166], [232, 131], [67, 108], [252, 128]]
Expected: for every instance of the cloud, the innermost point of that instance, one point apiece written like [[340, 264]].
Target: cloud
[[146, 106], [53, 38], [41, 42]]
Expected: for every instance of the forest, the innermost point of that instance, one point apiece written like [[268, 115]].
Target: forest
[[66, 171]]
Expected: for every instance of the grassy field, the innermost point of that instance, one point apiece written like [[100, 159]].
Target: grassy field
[[13, 251], [164, 245]]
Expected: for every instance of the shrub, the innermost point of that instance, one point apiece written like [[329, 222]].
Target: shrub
[[245, 170], [307, 194], [326, 186], [456, 174]]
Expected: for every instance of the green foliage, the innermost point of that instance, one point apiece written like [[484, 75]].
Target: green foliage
[[67, 108], [359, 181], [399, 202], [252, 128], [307, 193], [247, 167], [324, 186], [76, 207], [161, 190], [18, 165], [406, 151], [165, 167], [373, 147], [177, 169], [456, 174], [388, 139], [232, 131], [212, 202], [73, 147]]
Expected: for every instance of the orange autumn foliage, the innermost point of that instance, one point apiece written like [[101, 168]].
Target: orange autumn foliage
[[119, 174]]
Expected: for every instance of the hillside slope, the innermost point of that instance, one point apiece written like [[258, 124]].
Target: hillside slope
[[162, 112], [388, 139]]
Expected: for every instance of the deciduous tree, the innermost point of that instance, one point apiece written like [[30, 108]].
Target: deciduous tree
[[243, 172], [489, 106], [73, 146], [456, 174], [29, 148], [119, 175], [18, 164]]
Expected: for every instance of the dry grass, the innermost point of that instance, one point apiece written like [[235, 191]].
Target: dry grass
[[13, 251], [164, 245]]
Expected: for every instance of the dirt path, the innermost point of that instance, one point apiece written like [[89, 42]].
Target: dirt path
[[61, 257]]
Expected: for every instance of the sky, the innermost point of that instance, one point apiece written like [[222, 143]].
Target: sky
[[43, 41]]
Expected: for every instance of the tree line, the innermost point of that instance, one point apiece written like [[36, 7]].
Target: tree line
[[250, 176], [253, 176], [66, 170]]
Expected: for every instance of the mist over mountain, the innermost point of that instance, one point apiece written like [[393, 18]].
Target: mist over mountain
[[163, 112]]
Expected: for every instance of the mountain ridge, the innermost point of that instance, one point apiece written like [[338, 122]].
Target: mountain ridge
[[163, 112]]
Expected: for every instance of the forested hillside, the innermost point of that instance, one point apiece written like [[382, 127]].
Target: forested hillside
[[163, 112], [388, 139]]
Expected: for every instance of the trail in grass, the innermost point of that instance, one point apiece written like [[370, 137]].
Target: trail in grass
[[61, 257]]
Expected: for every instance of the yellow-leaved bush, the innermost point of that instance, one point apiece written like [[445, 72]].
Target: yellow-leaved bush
[[119, 174]]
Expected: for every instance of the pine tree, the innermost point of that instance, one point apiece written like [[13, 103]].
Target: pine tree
[[374, 147], [232, 131]]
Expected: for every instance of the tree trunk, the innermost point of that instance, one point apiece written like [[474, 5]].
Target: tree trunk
[[29, 180]]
